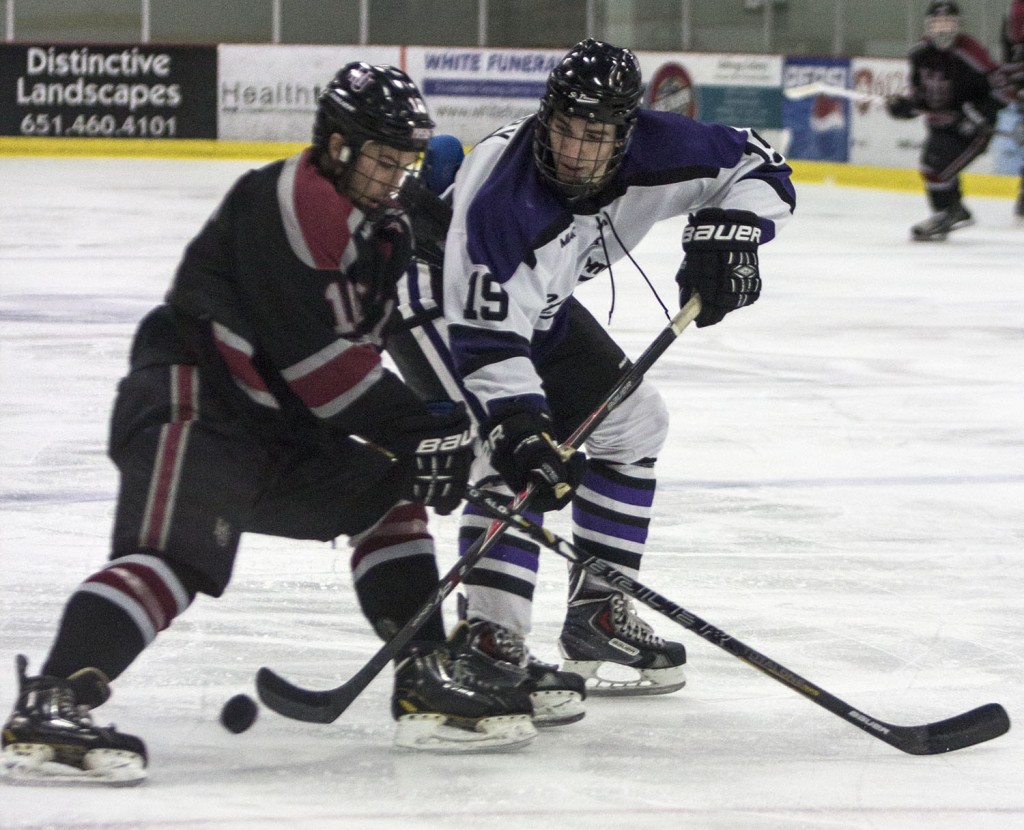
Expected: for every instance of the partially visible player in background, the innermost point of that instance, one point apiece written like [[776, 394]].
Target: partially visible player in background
[[1013, 55], [959, 89], [257, 401]]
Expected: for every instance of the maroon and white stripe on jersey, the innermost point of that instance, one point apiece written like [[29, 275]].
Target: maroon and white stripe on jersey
[[971, 51], [334, 377], [237, 353], [144, 587], [319, 223], [402, 533], [163, 486]]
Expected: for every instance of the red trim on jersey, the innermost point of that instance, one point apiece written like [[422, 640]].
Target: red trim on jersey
[[1015, 22], [974, 54], [240, 364], [322, 213], [337, 376]]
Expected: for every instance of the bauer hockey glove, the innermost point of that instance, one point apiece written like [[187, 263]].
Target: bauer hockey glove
[[720, 263], [523, 452], [437, 449]]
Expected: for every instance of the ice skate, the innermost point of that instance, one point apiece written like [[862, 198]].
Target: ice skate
[[498, 655], [939, 225], [615, 651], [1018, 207], [443, 708], [50, 737]]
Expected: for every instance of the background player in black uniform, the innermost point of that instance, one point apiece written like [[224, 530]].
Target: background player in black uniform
[[244, 393], [956, 85]]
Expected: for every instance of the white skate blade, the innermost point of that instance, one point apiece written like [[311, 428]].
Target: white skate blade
[[432, 733], [33, 764], [605, 678], [556, 707], [918, 234]]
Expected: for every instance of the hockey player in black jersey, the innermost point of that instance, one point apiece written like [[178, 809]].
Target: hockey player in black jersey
[[958, 88], [539, 206], [256, 401]]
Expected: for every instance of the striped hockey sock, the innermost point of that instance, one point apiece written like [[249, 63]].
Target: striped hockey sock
[[116, 613], [611, 514], [500, 586]]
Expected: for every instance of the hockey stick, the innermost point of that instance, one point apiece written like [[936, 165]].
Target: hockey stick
[[296, 702], [797, 93], [969, 728]]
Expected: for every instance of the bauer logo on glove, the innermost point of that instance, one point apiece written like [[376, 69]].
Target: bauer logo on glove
[[721, 233], [445, 444]]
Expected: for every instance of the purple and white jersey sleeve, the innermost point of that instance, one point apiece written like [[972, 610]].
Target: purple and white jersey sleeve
[[516, 251]]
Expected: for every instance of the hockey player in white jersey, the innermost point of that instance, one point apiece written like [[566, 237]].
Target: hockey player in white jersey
[[538, 207]]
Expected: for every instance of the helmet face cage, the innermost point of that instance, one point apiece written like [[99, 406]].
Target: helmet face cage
[[373, 178], [378, 104], [942, 24], [595, 84]]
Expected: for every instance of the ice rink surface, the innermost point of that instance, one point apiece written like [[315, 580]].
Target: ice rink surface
[[843, 489]]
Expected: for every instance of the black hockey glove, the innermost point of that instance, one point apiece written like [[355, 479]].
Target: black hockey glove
[[720, 263], [384, 248], [430, 216], [901, 107], [523, 452], [437, 450]]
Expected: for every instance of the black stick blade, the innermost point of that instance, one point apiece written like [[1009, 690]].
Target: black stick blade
[[297, 703], [970, 728]]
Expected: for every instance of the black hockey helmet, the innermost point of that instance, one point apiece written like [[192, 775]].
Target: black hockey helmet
[[942, 23], [601, 83], [372, 103]]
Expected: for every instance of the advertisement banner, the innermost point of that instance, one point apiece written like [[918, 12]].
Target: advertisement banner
[[877, 138], [472, 92], [268, 92], [108, 91], [739, 90], [819, 125]]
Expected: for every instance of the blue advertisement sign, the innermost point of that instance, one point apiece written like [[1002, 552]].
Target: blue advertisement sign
[[819, 125]]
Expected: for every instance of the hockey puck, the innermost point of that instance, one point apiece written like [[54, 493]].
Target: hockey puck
[[239, 713]]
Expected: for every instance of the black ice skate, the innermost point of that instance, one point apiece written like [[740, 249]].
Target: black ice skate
[[496, 654], [939, 225], [442, 707], [615, 651], [50, 737]]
